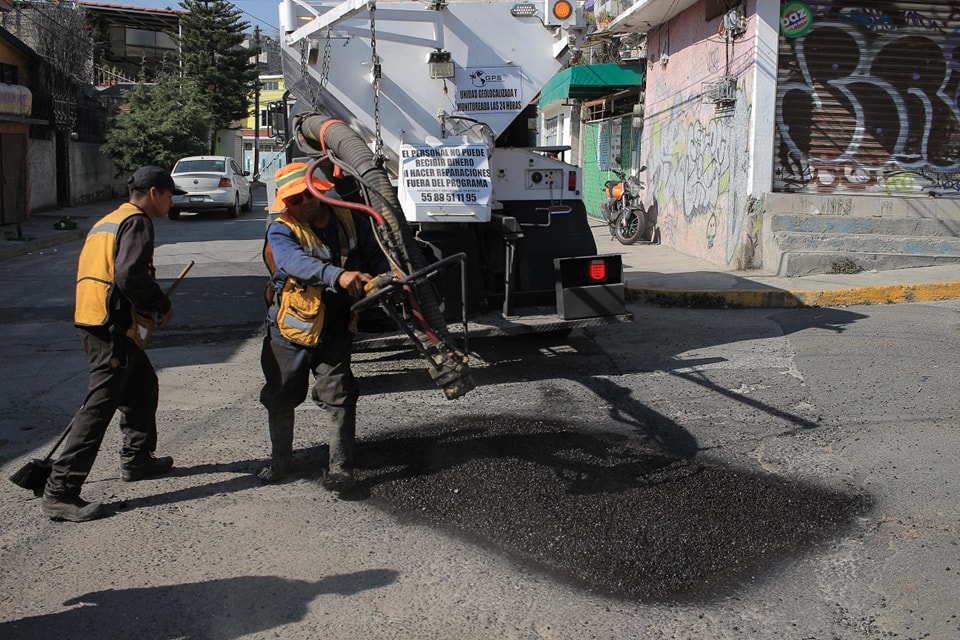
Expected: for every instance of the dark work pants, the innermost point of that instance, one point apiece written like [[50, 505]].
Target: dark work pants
[[132, 389], [287, 368]]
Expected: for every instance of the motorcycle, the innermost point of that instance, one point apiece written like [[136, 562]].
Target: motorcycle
[[623, 211]]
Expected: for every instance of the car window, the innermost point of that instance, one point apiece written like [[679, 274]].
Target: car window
[[193, 166], [236, 168]]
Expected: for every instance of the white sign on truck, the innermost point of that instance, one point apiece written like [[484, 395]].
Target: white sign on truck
[[489, 90], [445, 182]]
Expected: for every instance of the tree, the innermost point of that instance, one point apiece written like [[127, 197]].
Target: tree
[[57, 31], [162, 125], [211, 37]]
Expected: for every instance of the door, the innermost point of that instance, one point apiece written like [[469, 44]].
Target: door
[[13, 185]]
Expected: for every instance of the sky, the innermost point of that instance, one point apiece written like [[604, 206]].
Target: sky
[[262, 12]]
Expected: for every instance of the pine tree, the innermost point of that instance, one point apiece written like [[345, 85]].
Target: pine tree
[[162, 125], [211, 37]]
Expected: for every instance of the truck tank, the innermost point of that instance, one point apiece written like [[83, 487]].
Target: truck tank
[[442, 95]]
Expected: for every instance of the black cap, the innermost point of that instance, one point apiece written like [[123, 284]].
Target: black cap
[[150, 176]]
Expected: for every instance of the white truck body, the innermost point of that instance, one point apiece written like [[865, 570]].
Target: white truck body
[[497, 63], [442, 94]]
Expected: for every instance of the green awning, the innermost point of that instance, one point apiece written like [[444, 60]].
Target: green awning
[[591, 81]]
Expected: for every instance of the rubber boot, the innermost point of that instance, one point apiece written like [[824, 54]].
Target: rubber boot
[[281, 441], [343, 428]]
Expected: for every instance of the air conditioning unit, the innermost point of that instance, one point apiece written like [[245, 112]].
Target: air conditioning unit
[[722, 91]]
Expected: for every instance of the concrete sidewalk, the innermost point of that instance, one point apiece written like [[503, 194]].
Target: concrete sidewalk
[[654, 274]]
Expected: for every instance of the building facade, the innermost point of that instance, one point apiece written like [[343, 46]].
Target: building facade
[[263, 146], [825, 107]]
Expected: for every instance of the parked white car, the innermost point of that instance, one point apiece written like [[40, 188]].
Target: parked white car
[[211, 182]]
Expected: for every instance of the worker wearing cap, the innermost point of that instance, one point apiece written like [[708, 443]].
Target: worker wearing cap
[[320, 258], [117, 297]]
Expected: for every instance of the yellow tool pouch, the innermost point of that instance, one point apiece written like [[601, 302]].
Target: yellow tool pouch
[[141, 328], [300, 313]]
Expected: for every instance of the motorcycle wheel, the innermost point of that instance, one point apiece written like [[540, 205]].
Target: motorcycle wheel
[[630, 226]]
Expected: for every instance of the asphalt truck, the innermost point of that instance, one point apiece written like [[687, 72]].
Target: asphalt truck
[[423, 115]]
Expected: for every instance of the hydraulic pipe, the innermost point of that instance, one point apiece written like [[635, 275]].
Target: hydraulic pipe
[[319, 135]]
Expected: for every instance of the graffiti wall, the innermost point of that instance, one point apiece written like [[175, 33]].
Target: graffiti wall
[[697, 138], [867, 98]]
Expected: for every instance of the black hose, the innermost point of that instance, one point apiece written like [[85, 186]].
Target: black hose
[[323, 135], [345, 143]]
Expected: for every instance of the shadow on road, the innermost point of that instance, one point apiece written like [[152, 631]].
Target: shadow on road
[[215, 609]]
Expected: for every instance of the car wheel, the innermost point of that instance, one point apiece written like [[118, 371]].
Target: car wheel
[[232, 210], [174, 214], [248, 206]]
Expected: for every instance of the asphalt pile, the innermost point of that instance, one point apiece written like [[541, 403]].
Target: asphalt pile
[[600, 510]]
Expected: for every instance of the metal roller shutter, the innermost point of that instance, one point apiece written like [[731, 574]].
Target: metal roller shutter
[[867, 100]]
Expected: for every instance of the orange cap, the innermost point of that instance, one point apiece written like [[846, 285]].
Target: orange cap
[[291, 180]]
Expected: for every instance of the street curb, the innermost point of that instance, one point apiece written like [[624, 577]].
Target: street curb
[[787, 299], [18, 248]]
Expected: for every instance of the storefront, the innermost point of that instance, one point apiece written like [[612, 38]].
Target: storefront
[[15, 108], [611, 102]]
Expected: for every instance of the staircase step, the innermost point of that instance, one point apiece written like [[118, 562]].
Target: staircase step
[[805, 263], [890, 226], [868, 243]]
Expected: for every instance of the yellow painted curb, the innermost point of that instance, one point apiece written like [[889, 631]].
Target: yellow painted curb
[[884, 294], [781, 298]]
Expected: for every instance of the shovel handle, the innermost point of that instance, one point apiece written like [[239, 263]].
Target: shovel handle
[[176, 283]]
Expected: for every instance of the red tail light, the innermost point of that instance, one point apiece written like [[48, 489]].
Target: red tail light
[[571, 181], [225, 182], [598, 270]]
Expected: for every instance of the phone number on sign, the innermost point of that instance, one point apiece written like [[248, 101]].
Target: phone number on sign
[[448, 197]]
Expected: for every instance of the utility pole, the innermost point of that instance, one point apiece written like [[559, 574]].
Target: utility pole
[[256, 107]]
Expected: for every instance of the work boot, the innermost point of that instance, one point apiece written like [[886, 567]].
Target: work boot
[[276, 471], [145, 466], [70, 508], [343, 426], [280, 423]]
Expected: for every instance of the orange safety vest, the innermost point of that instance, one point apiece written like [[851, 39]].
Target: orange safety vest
[[300, 312]]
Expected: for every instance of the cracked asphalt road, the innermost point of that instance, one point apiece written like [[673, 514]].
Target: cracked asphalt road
[[695, 474]]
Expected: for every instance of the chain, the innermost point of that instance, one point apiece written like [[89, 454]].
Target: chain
[[325, 66], [378, 148], [276, 156], [305, 74]]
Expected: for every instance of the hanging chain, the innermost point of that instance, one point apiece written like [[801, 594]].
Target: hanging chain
[[378, 149], [304, 73], [276, 156], [325, 65]]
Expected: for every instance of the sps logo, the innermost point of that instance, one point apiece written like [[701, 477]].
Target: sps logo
[[479, 78]]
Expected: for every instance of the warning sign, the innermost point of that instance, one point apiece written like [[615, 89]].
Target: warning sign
[[445, 181], [485, 90]]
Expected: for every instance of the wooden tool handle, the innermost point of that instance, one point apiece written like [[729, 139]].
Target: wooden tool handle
[[176, 282]]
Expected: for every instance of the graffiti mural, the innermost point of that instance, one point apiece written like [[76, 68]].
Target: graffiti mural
[[698, 164], [868, 101]]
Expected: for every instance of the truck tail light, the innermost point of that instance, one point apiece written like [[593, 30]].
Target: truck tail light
[[562, 10], [597, 271], [586, 271], [571, 180]]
